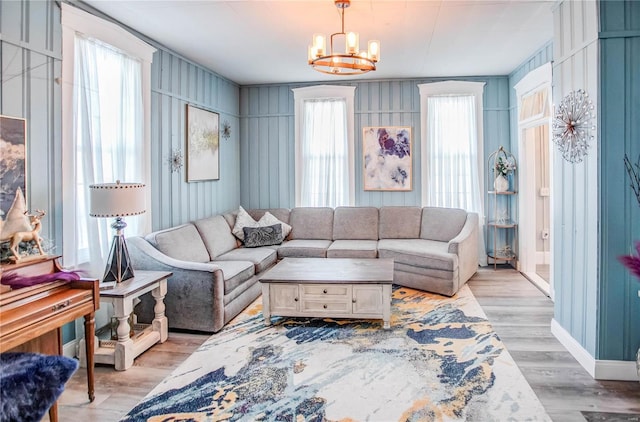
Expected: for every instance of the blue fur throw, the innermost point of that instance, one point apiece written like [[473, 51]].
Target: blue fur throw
[[30, 383]]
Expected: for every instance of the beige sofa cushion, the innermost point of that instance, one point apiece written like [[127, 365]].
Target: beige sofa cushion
[[304, 248], [262, 257], [355, 223], [419, 253], [353, 249], [281, 214], [400, 223], [180, 242], [311, 223], [216, 234], [442, 224]]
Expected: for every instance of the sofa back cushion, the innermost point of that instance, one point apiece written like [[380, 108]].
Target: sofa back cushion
[[281, 214], [399, 222], [180, 242], [355, 223], [311, 223], [216, 234], [442, 224]]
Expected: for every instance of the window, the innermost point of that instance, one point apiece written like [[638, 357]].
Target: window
[[105, 129], [452, 148], [324, 146]]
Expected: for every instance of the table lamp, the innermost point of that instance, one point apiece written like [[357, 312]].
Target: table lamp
[[117, 200]]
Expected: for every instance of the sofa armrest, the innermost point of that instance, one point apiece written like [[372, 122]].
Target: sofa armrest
[[145, 255], [194, 286], [465, 245]]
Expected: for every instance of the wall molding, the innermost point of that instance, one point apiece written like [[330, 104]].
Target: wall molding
[[614, 370], [31, 48], [188, 100]]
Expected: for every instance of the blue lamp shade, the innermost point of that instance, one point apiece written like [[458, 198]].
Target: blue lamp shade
[[117, 200]]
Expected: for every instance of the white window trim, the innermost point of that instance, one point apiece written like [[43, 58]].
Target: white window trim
[[324, 91], [443, 88], [75, 21]]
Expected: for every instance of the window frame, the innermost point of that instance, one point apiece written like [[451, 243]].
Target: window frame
[[319, 92], [75, 21], [476, 89]]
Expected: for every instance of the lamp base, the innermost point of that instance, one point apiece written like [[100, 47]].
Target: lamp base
[[118, 264]]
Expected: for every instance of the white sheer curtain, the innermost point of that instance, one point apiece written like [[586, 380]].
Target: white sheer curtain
[[108, 141], [324, 148], [453, 175]]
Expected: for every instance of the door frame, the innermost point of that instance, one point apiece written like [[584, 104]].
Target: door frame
[[538, 79]]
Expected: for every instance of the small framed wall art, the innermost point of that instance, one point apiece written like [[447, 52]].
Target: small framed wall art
[[387, 158], [203, 144], [13, 161]]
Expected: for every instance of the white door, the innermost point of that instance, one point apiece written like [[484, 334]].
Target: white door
[[535, 194]]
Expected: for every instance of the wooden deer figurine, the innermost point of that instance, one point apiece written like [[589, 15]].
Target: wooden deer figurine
[[33, 235]]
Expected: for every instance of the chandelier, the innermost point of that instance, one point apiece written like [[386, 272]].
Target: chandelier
[[350, 62]]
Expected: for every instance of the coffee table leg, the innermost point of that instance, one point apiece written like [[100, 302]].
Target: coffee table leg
[[266, 310], [386, 306]]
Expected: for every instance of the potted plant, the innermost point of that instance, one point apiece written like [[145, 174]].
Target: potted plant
[[632, 262], [503, 167]]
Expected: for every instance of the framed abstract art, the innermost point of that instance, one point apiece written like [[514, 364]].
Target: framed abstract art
[[387, 158], [203, 144]]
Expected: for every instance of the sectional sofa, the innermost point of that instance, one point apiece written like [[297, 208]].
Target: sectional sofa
[[215, 276]]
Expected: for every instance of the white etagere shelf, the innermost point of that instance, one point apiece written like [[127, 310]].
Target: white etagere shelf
[[502, 229]]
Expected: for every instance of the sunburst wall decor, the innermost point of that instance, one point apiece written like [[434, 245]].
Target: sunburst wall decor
[[176, 160], [572, 126], [226, 130]]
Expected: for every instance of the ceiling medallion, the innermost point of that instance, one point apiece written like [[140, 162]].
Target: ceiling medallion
[[572, 126], [350, 62]]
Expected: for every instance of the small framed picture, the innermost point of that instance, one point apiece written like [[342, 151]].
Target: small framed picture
[[387, 158], [203, 144]]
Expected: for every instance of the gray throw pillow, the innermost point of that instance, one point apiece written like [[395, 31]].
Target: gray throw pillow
[[262, 236]]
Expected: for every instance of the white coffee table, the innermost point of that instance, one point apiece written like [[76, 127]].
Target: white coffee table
[[328, 287]]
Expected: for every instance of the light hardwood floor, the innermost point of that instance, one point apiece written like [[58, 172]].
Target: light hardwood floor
[[518, 311]]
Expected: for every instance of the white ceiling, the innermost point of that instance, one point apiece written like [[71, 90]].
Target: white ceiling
[[259, 41]]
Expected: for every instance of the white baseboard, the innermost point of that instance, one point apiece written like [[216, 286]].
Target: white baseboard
[[70, 349], [615, 370], [618, 370]]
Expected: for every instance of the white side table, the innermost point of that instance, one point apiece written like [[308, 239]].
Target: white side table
[[123, 298]]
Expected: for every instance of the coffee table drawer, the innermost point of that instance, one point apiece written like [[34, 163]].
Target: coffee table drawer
[[326, 290], [330, 307]]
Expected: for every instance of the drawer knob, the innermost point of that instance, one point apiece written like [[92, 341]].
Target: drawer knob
[[324, 306], [324, 291], [296, 299], [353, 300]]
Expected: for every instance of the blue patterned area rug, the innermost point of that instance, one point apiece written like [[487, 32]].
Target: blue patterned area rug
[[441, 361]]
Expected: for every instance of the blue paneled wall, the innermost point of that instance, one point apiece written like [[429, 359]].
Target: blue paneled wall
[[267, 135], [619, 131], [176, 82]]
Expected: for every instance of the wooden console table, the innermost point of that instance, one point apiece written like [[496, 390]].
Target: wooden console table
[[31, 318], [122, 352]]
